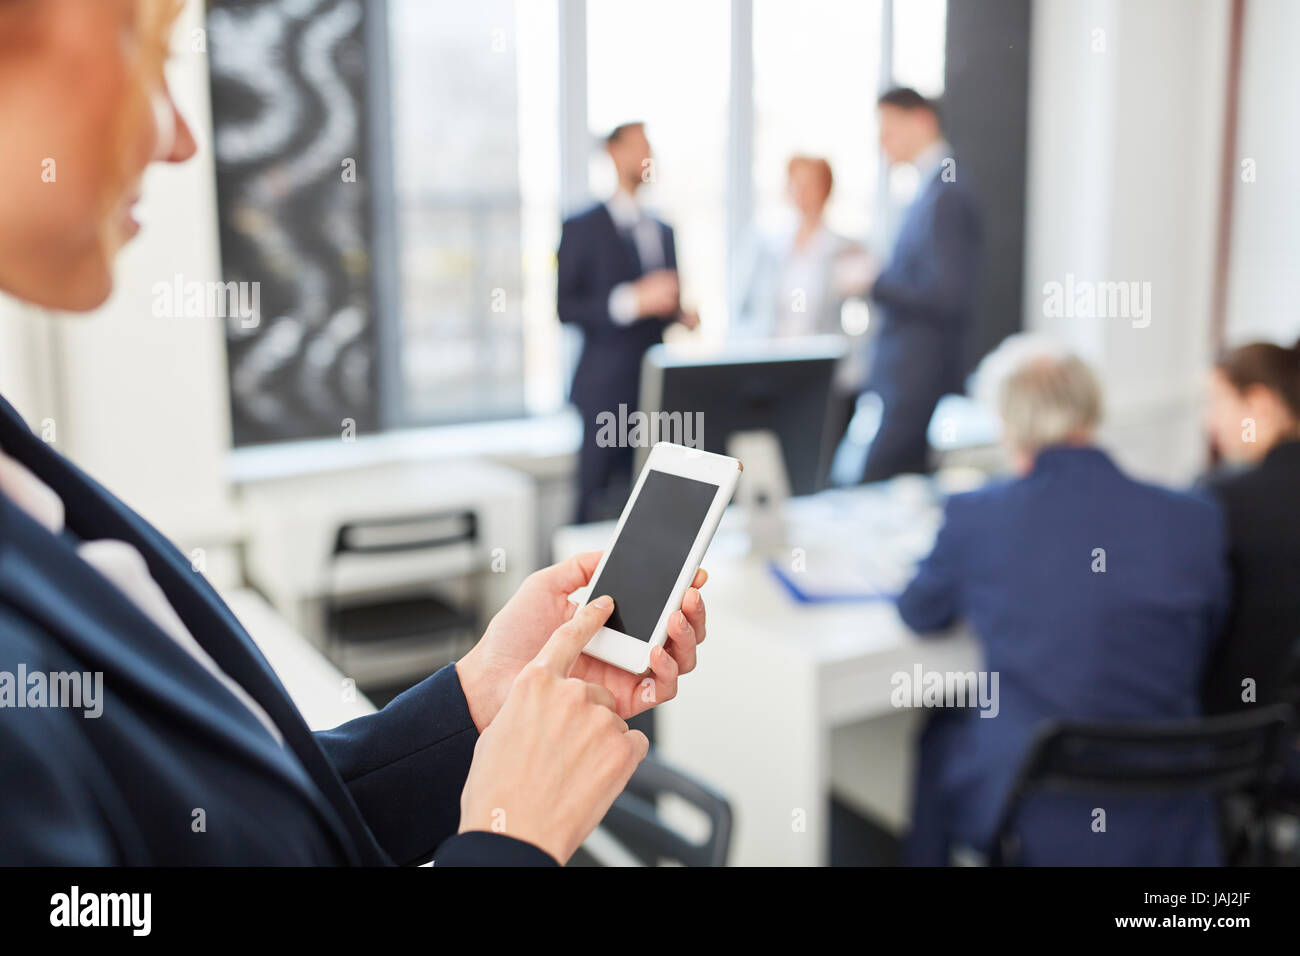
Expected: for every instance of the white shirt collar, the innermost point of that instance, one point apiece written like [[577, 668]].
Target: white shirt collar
[[624, 209], [929, 159]]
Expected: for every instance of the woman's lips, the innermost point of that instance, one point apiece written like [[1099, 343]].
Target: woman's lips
[[128, 220]]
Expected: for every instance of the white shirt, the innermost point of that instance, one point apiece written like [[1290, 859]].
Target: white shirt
[[125, 567], [629, 217], [929, 160], [803, 283]]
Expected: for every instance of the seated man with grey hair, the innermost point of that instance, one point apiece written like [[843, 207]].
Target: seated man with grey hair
[[1094, 597]]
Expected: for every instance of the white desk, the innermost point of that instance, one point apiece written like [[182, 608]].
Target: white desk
[[782, 685]]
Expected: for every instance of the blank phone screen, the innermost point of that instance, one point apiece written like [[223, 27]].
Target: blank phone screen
[[651, 549]]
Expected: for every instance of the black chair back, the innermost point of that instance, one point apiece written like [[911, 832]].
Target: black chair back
[[1234, 754], [635, 821]]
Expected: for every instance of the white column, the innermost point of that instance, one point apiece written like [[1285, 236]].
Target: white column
[[1126, 117]]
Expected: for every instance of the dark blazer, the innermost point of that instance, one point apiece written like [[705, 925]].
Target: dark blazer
[[1128, 644], [925, 299], [124, 788], [593, 259], [1262, 639]]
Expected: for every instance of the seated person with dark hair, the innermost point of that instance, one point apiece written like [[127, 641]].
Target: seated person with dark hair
[[1254, 420]]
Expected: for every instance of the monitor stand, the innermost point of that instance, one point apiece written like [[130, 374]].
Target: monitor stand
[[763, 489]]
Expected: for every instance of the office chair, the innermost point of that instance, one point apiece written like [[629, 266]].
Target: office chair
[[1282, 837], [635, 822], [389, 633], [1232, 756]]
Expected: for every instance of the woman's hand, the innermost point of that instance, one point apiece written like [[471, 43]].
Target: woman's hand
[[556, 755], [522, 627]]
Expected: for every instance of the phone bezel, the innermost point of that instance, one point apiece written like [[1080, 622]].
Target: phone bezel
[[624, 650]]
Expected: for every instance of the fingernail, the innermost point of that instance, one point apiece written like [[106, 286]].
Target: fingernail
[[681, 619], [604, 602]]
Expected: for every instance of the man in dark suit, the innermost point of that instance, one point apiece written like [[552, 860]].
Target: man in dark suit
[[617, 282], [925, 294], [1093, 598]]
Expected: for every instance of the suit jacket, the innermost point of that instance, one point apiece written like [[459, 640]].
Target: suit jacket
[[1127, 644], [593, 259], [925, 296], [176, 770], [1262, 639]]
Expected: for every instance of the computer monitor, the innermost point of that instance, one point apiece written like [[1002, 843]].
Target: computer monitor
[[783, 386]]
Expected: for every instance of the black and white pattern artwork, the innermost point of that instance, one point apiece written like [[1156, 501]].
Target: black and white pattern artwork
[[288, 93]]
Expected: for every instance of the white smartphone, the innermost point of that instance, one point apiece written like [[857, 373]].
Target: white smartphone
[[661, 537]]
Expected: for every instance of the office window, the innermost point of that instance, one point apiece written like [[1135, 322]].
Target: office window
[[670, 67], [918, 45], [917, 60], [816, 78], [388, 172], [474, 139]]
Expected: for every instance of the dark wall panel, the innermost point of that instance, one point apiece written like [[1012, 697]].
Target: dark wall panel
[[986, 109]]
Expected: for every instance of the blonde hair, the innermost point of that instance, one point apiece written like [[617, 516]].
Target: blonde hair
[[1043, 392]]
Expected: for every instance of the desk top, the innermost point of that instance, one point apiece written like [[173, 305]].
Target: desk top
[[893, 524]]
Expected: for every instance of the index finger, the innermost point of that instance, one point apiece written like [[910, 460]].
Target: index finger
[[565, 644]]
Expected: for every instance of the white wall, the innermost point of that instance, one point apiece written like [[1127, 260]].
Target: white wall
[[26, 376], [1264, 278], [141, 402], [1124, 159]]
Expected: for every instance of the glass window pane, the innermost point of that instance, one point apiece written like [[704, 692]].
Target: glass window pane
[[470, 174], [919, 39], [816, 78], [669, 66]]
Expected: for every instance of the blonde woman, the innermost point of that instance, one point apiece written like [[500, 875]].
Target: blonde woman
[[510, 756]]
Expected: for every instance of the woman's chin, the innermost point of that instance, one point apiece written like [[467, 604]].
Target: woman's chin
[[79, 291]]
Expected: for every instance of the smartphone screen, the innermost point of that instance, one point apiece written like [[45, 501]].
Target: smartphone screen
[[640, 572]]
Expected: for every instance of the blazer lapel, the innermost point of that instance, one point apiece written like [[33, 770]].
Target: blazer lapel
[[80, 598], [625, 242]]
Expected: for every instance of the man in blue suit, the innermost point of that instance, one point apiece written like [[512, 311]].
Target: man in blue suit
[[617, 282], [1093, 598], [925, 294]]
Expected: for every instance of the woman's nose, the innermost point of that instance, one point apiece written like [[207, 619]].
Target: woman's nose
[[175, 141], [183, 145]]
